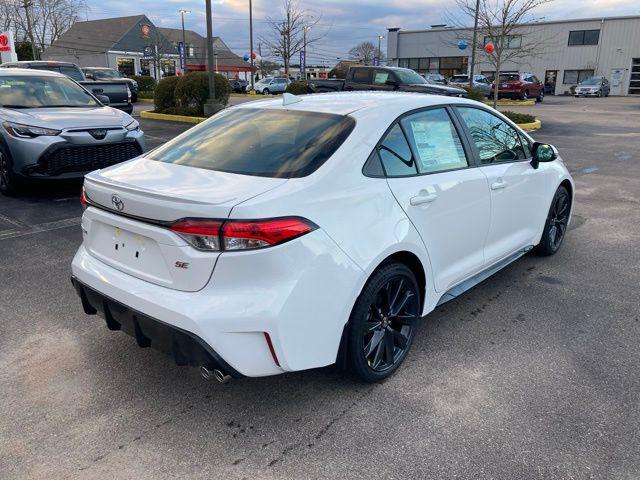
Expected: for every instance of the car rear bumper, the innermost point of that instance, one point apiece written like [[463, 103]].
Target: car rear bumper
[[300, 294]]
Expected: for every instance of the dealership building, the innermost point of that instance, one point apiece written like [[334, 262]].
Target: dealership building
[[571, 51]]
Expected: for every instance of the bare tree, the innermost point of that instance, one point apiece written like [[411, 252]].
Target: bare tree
[[39, 22], [509, 25], [287, 35], [365, 52]]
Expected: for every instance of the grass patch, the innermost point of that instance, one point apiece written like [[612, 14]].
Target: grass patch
[[519, 117]]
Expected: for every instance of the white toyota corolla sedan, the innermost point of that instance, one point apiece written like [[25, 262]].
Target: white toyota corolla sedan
[[296, 233]]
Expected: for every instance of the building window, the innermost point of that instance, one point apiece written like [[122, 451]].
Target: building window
[[573, 77], [190, 51], [512, 41], [145, 67], [168, 68], [126, 66], [584, 37], [490, 74]]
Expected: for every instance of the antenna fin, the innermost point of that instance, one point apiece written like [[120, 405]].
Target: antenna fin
[[289, 99]]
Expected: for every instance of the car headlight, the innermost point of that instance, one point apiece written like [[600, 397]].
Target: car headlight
[[27, 131], [133, 126]]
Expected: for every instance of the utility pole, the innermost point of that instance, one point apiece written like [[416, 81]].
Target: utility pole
[[27, 4], [184, 38], [304, 49], [473, 44], [380, 37], [212, 106], [251, 39]]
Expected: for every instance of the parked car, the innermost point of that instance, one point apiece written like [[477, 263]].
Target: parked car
[[519, 86], [267, 86], [53, 128], [387, 79], [337, 221], [480, 82], [117, 91], [435, 78], [238, 85], [593, 87], [104, 73]]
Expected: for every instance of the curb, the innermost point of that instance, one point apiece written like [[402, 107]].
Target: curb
[[529, 127], [145, 100], [511, 103], [171, 118]]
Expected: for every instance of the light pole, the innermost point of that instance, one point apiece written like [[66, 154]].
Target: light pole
[[212, 106], [251, 39], [473, 44], [184, 12], [304, 49], [380, 37]]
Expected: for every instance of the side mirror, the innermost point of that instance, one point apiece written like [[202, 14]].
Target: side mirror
[[543, 152], [103, 99]]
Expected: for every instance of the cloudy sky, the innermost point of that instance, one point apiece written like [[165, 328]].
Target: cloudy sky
[[342, 24]]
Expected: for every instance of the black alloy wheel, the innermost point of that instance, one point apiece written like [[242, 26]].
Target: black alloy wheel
[[383, 323], [8, 180], [557, 222]]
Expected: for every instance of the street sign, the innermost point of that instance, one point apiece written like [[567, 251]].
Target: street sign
[[148, 51], [376, 61], [183, 58], [303, 65], [7, 48]]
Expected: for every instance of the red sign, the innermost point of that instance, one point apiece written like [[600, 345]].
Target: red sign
[[4, 43], [146, 30]]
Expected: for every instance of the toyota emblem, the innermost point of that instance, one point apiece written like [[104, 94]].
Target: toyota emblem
[[117, 202]]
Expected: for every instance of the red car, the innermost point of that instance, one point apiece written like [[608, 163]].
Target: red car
[[521, 86]]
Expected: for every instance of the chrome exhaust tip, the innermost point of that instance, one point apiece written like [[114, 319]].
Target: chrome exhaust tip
[[219, 375]]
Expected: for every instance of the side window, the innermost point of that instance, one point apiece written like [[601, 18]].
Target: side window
[[380, 77], [496, 140], [395, 154], [361, 75], [435, 141]]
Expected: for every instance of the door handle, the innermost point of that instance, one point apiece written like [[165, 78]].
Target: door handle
[[423, 198], [498, 185]]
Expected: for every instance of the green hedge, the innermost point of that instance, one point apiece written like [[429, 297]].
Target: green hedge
[[516, 117], [145, 82], [475, 94], [164, 96], [186, 95], [298, 88]]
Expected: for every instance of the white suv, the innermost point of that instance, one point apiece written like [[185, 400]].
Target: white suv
[[295, 233]]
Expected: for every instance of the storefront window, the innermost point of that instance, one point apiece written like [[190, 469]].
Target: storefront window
[[126, 66], [145, 67], [168, 68]]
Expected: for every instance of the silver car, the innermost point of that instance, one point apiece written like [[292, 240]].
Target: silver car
[[272, 85], [53, 128], [593, 87], [480, 82]]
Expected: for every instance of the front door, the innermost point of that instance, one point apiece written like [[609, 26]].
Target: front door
[[550, 78], [447, 201], [617, 79], [518, 191]]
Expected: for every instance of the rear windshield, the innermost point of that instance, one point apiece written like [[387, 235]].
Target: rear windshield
[[70, 72], [260, 142], [509, 77]]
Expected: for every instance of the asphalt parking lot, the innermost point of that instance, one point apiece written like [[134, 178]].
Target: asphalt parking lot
[[532, 374]]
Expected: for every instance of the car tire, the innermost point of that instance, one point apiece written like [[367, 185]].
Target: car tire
[[9, 181], [524, 95], [379, 337], [540, 98], [600, 95], [555, 227], [265, 91]]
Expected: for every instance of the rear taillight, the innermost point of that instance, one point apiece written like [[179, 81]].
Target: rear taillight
[[83, 199], [202, 234], [234, 235]]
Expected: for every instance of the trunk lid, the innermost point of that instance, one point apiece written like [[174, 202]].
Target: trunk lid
[[141, 198]]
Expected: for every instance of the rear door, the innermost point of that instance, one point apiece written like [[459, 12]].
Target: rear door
[[518, 191], [443, 194], [359, 79], [380, 77]]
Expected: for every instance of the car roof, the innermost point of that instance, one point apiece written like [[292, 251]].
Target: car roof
[[43, 62], [28, 72], [345, 103]]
